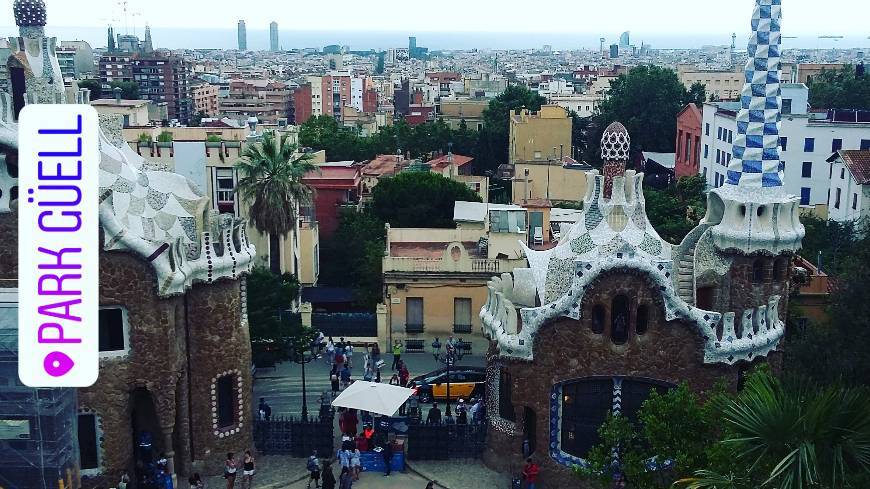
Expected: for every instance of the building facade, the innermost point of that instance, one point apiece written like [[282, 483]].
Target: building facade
[[687, 158], [807, 140], [205, 99], [242, 36], [267, 100], [539, 136], [849, 194], [273, 37], [614, 312]]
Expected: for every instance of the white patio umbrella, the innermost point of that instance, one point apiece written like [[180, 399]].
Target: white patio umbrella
[[373, 397]]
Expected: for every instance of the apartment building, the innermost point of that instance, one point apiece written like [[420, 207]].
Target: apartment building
[[584, 105], [541, 135], [205, 98], [807, 140], [849, 194], [267, 100], [687, 160]]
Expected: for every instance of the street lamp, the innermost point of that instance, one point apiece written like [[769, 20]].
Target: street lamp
[[451, 354], [301, 357]]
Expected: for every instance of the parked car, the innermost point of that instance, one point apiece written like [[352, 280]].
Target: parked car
[[465, 383]]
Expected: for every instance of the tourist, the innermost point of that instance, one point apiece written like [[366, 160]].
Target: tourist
[[344, 457], [333, 379], [348, 355], [264, 409], [328, 476], [530, 473], [378, 375], [125, 481], [355, 463], [461, 412], [430, 485], [345, 377], [339, 358], [345, 481], [164, 478], [404, 375], [397, 354], [195, 482], [348, 422], [394, 380], [376, 354], [230, 470], [313, 467], [434, 416], [476, 411], [436, 348], [387, 453], [330, 351], [248, 470]]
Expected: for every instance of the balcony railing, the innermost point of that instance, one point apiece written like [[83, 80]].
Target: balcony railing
[[432, 265]]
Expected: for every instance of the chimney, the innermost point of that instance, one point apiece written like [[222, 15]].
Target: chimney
[[117, 92]]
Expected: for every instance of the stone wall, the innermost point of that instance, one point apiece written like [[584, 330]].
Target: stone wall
[[9, 246], [568, 349]]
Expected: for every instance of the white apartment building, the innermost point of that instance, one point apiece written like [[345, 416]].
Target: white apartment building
[[583, 104], [316, 95], [850, 185], [356, 93], [556, 86], [807, 140]]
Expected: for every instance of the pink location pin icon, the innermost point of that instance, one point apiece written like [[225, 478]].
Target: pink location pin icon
[[57, 364]]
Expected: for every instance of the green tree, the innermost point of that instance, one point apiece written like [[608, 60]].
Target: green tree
[[676, 210], [689, 445], [580, 127], [697, 94], [791, 435], [840, 89], [196, 119], [269, 297], [129, 90], [271, 180], [493, 148], [360, 270], [646, 101], [419, 199], [94, 86]]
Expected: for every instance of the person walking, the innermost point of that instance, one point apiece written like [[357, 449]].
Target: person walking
[[328, 476], [230, 470], [334, 380], [387, 453], [461, 412], [397, 354], [195, 482], [476, 411], [376, 353], [355, 463], [436, 348], [344, 458], [348, 355], [404, 374], [530, 473], [248, 470], [330, 351], [345, 481], [264, 409], [345, 377], [313, 467], [434, 416]]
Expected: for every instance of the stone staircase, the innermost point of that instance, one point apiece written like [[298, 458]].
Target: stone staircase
[[686, 276]]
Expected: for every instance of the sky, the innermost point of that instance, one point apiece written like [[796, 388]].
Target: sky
[[588, 20]]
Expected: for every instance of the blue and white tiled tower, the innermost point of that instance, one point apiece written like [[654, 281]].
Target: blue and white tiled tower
[[752, 213]]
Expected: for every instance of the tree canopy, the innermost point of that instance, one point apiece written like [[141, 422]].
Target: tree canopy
[[493, 143], [360, 270], [421, 199], [840, 89], [94, 86], [676, 210], [269, 297], [646, 101], [129, 89]]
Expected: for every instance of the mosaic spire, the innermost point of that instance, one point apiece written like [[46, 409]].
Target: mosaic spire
[[615, 145], [756, 145]]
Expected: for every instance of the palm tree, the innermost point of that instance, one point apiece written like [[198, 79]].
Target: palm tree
[[272, 172], [793, 436]]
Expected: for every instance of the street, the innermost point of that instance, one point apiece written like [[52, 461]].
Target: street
[[282, 386]]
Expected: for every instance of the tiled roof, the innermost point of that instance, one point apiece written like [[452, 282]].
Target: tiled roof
[[441, 161], [858, 163]]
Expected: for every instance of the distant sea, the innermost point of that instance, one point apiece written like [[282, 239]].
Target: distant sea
[[380, 40]]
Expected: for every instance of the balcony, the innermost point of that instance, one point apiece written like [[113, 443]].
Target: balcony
[[435, 265]]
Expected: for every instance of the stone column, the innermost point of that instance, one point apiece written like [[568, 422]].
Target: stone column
[[167, 430], [383, 328], [306, 311]]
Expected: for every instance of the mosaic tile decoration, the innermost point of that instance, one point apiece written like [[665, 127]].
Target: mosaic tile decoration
[[756, 144]]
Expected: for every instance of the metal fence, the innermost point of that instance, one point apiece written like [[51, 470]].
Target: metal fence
[[293, 436], [446, 441]]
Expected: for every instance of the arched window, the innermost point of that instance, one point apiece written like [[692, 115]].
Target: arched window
[[597, 319], [619, 320], [758, 271], [641, 322]]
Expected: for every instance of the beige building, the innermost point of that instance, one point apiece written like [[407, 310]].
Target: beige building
[[435, 279], [205, 99], [585, 105], [804, 72], [470, 110], [553, 180], [133, 112], [539, 136], [724, 85], [267, 100]]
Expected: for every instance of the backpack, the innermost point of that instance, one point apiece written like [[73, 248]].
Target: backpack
[[312, 465]]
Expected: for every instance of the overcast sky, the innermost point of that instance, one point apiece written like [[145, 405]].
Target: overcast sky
[[801, 17]]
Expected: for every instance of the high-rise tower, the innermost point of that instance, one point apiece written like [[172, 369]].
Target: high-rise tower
[[243, 36], [273, 37], [147, 45]]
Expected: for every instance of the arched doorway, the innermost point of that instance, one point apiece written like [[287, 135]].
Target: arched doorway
[[147, 436]]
